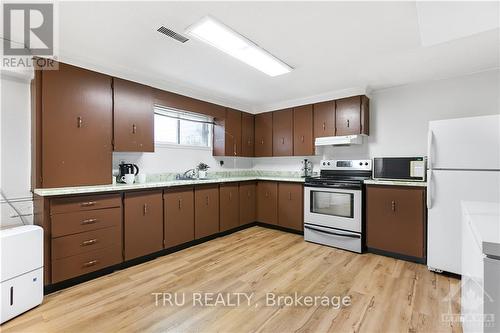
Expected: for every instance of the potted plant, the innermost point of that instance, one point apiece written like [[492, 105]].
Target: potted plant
[[202, 170]]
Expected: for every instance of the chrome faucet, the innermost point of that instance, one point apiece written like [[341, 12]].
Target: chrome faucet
[[188, 174]]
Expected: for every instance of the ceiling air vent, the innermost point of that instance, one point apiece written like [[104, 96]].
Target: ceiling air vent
[[172, 34]]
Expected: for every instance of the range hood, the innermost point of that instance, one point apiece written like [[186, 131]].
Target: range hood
[[345, 140]]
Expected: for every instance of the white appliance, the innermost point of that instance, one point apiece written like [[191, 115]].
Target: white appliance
[[333, 204], [339, 140], [463, 165], [21, 270]]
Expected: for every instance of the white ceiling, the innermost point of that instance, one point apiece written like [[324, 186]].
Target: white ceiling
[[336, 48]]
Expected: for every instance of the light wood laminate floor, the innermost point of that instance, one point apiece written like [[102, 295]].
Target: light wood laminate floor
[[387, 295]]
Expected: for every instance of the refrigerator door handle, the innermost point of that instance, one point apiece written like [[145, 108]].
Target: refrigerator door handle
[[429, 189], [429, 148]]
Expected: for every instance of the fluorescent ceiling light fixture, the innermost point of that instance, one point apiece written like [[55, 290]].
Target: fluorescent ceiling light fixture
[[218, 35]]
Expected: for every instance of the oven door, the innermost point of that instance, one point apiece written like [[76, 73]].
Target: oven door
[[333, 207]]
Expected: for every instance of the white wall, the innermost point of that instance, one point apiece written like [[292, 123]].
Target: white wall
[[15, 143]]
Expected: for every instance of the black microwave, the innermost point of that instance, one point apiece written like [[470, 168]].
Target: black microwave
[[400, 168]]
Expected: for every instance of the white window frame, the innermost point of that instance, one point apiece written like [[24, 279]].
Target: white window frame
[[184, 115]]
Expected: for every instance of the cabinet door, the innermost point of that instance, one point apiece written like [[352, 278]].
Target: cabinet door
[[352, 115], [133, 116], [283, 133], [264, 134], [77, 126], [143, 223], [206, 211], [324, 119], [290, 206], [247, 134], [178, 212], [230, 206], [267, 202], [233, 133], [395, 219], [303, 142], [247, 203]]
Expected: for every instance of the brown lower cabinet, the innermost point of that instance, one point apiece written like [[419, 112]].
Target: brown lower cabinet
[[267, 202], [206, 211], [396, 220], [178, 213], [229, 206], [290, 206], [247, 202], [143, 223]]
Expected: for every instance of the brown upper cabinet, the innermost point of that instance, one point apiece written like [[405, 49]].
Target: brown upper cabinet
[[133, 116], [74, 125], [247, 134], [143, 223], [352, 116], [230, 206], [264, 134], [206, 211], [324, 119], [395, 220], [283, 132], [178, 214], [290, 206], [303, 144], [227, 134]]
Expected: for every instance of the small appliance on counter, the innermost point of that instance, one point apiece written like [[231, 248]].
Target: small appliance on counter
[[125, 169], [400, 168], [307, 168]]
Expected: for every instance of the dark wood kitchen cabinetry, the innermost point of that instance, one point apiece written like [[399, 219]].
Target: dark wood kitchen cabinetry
[[396, 220], [84, 233], [352, 116], [143, 223], [264, 134], [133, 117], [247, 134], [206, 209], [247, 202], [229, 206], [267, 202], [283, 133], [178, 214], [303, 142], [324, 119], [227, 134], [291, 206], [73, 126]]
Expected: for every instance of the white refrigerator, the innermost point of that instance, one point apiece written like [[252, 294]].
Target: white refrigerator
[[463, 165]]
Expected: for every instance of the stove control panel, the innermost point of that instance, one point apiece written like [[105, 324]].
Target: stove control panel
[[346, 165]]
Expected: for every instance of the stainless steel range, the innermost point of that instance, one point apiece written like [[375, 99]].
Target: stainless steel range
[[333, 204]]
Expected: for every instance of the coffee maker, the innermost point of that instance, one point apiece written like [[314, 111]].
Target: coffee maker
[[126, 168]]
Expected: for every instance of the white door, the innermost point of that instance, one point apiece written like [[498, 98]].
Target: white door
[[446, 189], [465, 143]]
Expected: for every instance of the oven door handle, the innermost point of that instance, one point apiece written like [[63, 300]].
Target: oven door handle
[[331, 232]]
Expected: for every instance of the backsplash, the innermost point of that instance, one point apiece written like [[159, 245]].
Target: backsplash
[[167, 176]]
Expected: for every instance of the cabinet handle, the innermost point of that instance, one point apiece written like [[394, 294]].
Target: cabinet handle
[[302, 138], [262, 141], [324, 126], [289, 195], [248, 194], [145, 209], [134, 128], [282, 141], [207, 200], [348, 123], [90, 263], [234, 149], [267, 194], [180, 203], [88, 221], [88, 204], [230, 196], [79, 122], [393, 205], [89, 242]]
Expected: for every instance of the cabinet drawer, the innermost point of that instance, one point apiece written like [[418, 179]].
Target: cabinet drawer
[[75, 204], [84, 263], [72, 223], [85, 242]]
